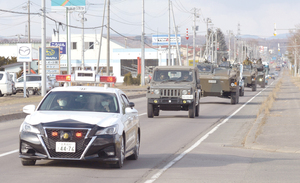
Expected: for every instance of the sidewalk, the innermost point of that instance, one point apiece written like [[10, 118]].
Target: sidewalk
[[11, 107], [280, 132]]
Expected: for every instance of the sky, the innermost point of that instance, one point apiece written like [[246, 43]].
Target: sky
[[256, 17]]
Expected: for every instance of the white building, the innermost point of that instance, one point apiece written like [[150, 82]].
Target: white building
[[122, 60]]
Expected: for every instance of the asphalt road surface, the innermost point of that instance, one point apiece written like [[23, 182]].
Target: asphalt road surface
[[174, 148]]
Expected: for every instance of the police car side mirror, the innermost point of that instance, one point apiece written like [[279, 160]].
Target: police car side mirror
[[29, 109], [131, 105]]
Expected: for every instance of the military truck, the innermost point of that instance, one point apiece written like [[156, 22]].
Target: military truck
[[174, 88], [250, 76], [261, 75], [219, 81]]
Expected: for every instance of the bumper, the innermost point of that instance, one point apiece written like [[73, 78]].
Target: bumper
[[98, 148]]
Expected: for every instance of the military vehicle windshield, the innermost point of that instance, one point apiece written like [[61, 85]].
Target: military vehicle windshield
[[173, 76], [247, 67], [205, 68]]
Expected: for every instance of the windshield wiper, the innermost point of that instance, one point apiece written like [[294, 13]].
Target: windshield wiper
[[184, 80], [170, 80]]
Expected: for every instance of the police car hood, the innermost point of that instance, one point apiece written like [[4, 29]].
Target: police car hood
[[92, 118]]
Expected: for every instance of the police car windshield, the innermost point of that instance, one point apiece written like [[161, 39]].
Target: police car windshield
[[80, 101], [173, 75]]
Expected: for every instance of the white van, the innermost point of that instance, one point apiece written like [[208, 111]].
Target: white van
[[6, 85]]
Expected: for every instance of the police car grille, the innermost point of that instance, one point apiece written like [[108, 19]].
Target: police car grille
[[81, 144], [170, 93]]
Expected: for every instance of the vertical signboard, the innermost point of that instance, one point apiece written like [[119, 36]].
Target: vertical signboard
[[24, 53], [52, 61], [61, 5]]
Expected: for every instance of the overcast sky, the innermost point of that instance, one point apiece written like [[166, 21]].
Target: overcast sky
[[256, 17]]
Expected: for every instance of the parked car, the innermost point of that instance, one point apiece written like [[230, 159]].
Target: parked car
[[6, 84], [33, 84]]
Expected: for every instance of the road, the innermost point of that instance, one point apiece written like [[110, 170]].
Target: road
[[174, 148]]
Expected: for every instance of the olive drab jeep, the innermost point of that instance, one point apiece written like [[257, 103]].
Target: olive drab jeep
[[250, 76], [220, 81], [174, 88]]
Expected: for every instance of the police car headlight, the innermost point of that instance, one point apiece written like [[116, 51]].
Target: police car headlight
[[184, 92], [111, 130], [156, 92], [29, 128]]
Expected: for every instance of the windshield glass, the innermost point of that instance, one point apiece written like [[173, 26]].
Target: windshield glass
[[247, 67], [173, 75], [204, 68], [80, 101]]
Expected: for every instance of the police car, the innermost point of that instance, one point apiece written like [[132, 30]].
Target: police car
[[81, 123]]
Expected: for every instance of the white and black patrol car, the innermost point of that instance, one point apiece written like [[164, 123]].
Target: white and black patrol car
[[81, 123]]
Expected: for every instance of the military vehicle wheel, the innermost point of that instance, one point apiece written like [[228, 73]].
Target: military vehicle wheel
[[263, 85], [192, 110], [233, 98], [156, 111], [242, 92], [197, 112], [254, 87], [150, 111]]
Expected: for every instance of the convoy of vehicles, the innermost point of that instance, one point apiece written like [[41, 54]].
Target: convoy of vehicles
[[174, 88], [81, 123], [220, 81]]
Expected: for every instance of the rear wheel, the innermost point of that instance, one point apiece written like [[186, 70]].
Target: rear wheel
[[31, 92], [26, 162], [192, 110], [150, 110]]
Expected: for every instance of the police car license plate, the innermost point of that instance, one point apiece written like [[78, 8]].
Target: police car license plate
[[65, 147], [212, 81], [187, 96]]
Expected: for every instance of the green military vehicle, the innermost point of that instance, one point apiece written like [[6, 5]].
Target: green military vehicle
[[250, 76], [220, 81], [261, 75], [174, 88]]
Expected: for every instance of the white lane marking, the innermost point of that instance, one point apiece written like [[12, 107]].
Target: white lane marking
[[142, 114], [160, 172], [10, 152]]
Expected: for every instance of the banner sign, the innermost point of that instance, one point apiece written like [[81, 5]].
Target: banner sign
[[62, 5], [162, 40]]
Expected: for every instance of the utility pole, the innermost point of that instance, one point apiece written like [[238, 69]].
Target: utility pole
[[143, 47], [108, 38], [216, 47], [82, 40], [295, 63], [208, 20], [194, 39], [28, 7], [178, 58], [43, 47], [100, 44], [169, 37]]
